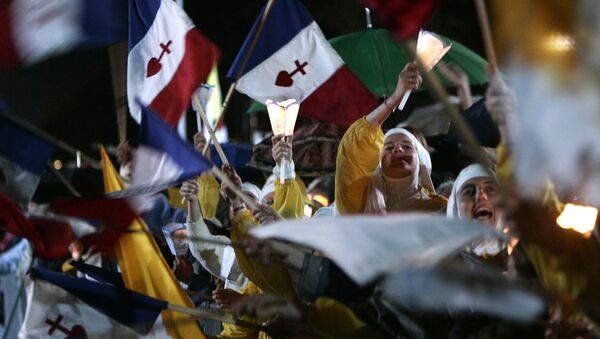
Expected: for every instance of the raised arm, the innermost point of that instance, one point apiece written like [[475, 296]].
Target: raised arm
[[409, 79]]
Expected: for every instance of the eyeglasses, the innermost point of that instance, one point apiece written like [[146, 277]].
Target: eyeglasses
[[469, 191]]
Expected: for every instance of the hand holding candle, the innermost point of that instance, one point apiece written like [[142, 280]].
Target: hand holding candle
[[430, 50], [283, 119]]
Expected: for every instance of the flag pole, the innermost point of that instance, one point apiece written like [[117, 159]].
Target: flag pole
[[486, 32], [246, 199], [441, 95], [213, 137], [50, 139], [368, 17], [64, 181], [214, 316], [231, 89]]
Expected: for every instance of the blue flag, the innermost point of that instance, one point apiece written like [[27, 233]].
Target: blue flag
[[163, 159]]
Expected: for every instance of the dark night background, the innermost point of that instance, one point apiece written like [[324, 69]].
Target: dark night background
[[71, 97]]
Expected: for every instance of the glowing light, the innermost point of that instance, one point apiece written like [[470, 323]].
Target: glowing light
[[320, 198], [579, 218], [558, 43], [431, 48], [57, 164], [283, 119], [283, 116]]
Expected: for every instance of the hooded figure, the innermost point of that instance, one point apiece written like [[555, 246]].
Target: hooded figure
[[392, 190]]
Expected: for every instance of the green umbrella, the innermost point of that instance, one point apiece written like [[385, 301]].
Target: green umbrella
[[377, 60]]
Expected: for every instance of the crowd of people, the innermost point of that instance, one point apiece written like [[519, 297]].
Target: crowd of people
[[275, 284]]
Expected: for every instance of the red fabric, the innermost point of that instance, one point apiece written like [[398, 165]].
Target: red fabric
[[104, 242], [55, 237], [353, 101], [404, 18], [111, 212], [9, 58], [50, 238], [13, 221], [200, 55]]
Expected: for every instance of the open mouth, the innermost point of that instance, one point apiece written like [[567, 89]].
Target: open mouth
[[401, 160], [483, 213]]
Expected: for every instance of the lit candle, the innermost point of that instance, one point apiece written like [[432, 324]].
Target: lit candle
[[283, 117], [579, 218]]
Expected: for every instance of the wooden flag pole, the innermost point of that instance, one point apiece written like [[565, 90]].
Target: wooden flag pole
[[486, 32], [231, 89], [246, 199], [214, 316], [441, 95], [213, 137], [50, 139]]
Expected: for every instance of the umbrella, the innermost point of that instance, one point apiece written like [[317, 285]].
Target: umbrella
[[377, 60]]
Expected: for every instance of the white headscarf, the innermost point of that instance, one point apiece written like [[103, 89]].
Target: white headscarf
[[252, 189], [486, 247], [468, 173], [384, 192], [269, 187]]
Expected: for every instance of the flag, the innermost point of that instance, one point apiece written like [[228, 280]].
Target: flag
[[51, 235], [293, 60], [404, 18], [50, 239], [63, 306], [143, 268], [110, 212], [99, 274], [162, 159], [31, 31], [211, 91], [23, 159], [168, 58], [425, 240]]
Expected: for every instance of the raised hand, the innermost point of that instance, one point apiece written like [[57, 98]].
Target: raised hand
[[282, 149], [266, 215], [410, 78], [189, 190], [235, 179], [225, 297]]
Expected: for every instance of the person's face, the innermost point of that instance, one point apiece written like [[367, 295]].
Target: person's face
[[268, 199], [399, 156], [180, 242], [477, 199]]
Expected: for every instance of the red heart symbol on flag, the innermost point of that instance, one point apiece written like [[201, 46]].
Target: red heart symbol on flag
[[77, 332], [284, 79], [153, 67]]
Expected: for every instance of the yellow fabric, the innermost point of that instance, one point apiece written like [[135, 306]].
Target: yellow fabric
[[274, 278], [175, 198], [332, 319], [213, 106], [357, 158], [290, 198], [231, 331], [549, 267], [209, 193], [143, 268]]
